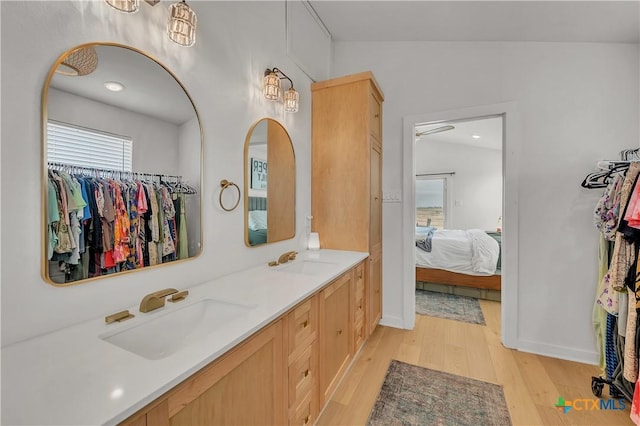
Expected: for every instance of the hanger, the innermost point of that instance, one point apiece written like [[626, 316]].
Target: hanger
[[630, 154], [602, 178]]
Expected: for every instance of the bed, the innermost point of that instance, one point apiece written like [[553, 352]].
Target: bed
[[257, 218], [469, 258]]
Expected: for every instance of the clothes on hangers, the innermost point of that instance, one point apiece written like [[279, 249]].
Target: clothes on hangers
[[102, 225]]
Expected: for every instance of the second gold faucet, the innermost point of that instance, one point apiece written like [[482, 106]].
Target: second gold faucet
[[284, 258]]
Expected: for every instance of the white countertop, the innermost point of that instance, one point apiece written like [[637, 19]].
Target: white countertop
[[72, 377]]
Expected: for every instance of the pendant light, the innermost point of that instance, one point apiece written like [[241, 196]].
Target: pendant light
[[80, 62], [182, 24], [127, 6]]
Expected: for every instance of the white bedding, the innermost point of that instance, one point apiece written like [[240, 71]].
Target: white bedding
[[469, 251]]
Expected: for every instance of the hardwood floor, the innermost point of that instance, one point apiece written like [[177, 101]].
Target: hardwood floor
[[532, 383]]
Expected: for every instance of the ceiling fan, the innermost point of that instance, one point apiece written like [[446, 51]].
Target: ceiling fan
[[436, 130]]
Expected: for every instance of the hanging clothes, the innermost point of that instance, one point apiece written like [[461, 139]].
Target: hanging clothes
[[623, 252], [98, 226]]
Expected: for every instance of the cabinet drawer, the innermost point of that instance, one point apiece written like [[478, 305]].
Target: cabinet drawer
[[304, 414], [303, 373], [303, 326], [375, 117]]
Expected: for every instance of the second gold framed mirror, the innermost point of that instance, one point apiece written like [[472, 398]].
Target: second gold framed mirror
[[269, 184]]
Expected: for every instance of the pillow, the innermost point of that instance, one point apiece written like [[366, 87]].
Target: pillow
[[257, 219]]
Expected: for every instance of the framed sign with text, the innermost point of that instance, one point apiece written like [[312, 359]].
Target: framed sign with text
[[258, 174]]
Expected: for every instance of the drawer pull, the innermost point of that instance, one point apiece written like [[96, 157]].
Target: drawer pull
[[338, 332], [360, 306], [360, 276], [377, 115], [305, 324], [306, 420], [306, 373]]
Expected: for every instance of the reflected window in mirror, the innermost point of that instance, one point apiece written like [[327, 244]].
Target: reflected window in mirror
[[121, 169], [269, 184]]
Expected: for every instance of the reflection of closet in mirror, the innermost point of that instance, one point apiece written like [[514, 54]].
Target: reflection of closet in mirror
[[156, 161], [269, 184]]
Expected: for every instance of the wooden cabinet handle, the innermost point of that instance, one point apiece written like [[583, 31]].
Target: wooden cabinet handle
[[305, 324], [306, 420], [377, 115], [360, 276], [306, 373], [338, 332], [360, 306]]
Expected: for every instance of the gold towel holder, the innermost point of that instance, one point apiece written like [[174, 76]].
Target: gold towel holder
[[224, 184]]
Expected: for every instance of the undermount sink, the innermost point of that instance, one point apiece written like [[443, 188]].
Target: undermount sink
[[176, 329], [306, 267]]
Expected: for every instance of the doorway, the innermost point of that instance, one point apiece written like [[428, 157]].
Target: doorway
[[458, 196], [510, 153]]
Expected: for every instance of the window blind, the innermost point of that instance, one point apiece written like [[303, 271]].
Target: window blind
[[73, 145]]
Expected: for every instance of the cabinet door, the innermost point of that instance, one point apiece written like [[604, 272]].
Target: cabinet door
[[374, 278], [335, 331], [245, 387], [375, 200]]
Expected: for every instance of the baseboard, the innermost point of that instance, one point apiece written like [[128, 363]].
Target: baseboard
[[392, 321], [561, 352]]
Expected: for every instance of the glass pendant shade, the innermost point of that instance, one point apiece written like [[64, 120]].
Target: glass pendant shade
[[271, 86], [182, 24], [128, 6], [79, 62], [291, 98]]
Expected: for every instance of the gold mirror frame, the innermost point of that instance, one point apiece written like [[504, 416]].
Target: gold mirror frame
[[44, 167], [280, 197]]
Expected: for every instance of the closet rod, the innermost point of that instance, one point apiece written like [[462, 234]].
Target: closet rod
[[436, 174], [112, 171]]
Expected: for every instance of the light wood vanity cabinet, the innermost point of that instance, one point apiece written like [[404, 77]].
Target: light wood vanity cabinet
[[243, 387], [346, 184], [358, 305], [303, 363], [335, 333], [283, 374]]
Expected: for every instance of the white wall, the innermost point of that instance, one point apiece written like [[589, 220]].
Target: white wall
[[155, 142], [476, 186], [222, 72], [189, 166], [577, 103]]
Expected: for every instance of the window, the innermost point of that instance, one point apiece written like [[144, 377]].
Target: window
[[79, 146], [431, 201]]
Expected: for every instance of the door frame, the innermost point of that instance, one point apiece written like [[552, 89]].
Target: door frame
[[511, 149]]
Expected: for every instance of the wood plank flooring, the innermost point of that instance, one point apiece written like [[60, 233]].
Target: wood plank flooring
[[532, 383]]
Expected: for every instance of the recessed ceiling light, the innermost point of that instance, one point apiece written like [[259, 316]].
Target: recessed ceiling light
[[114, 86], [475, 136]]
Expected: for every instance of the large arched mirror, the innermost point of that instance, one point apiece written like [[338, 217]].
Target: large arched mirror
[[122, 154], [269, 184]]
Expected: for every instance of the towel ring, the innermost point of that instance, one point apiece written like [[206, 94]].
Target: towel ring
[[224, 184]]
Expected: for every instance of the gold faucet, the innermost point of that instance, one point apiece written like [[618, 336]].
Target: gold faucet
[[155, 300], [290, 255]]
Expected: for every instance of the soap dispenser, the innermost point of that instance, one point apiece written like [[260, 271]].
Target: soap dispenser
[[313, 240]]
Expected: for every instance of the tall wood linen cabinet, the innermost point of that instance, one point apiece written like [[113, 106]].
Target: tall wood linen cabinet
[[346, 184]]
